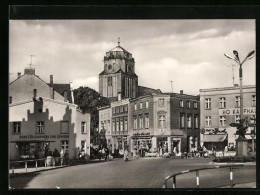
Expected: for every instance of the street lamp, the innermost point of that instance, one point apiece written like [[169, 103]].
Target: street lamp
[[237, 60]]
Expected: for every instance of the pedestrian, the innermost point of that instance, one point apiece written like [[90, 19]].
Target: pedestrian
[[126, 155], [175, 151], [62, 156], [161, 151]]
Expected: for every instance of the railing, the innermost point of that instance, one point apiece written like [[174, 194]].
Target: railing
[[197, 175], [47, 162]]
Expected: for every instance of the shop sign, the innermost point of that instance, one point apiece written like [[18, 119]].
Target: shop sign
[[141, 134], [42, 136], [236, 111]]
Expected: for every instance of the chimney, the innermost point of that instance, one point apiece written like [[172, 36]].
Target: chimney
[[18, 75], [181, 91], [65, 96], [71, 90], [34, 93], [29, 71], [51, 87], [119, 96]]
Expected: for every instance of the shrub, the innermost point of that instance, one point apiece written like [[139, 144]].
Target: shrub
[[235, 159]]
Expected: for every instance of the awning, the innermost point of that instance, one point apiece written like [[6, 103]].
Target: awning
[[214, 138], [31, 141]]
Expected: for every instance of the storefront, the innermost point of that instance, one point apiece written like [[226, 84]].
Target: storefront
[[142, 141], [215, 142]]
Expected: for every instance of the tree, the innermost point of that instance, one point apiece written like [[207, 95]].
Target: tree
[[88, 101]]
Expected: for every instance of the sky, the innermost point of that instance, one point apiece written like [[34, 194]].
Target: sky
[[188, 52]]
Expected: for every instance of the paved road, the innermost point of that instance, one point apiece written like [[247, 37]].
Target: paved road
[[138, 173]]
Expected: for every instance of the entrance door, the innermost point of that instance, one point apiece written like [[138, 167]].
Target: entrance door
[[176, 142]]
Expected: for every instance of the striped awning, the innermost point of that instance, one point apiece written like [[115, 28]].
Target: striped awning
[[214, 138]]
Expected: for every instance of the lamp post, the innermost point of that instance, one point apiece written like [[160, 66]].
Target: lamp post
[[236, 59]]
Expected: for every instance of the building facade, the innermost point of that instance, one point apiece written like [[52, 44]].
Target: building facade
[[37, 122], [219, 108], [118, 75]]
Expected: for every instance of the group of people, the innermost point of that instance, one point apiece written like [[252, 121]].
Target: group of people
[[101, 153]]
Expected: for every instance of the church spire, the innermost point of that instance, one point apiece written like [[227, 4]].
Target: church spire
[[118, 41]]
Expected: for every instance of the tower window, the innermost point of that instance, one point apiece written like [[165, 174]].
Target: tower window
[[109, 81]]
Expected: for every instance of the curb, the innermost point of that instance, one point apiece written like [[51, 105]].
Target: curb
[[232, 163]]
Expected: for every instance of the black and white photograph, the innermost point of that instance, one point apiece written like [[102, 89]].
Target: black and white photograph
[[132, 104]]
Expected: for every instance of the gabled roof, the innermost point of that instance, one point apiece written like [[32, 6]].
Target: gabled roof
[[183, 96], [60, 88], [142, 91]]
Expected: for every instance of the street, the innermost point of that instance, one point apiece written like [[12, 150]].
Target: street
[[137, 173]]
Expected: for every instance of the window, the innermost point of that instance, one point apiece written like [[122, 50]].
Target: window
[[83, 142], [117, 110], [252, 119], [188, 104], [109, 81], [237, 118], [208, 121], [222, 120], [188, 121], [181, 103], [114, 110], [141, 105], [146, 104], [196, 121], [141, 126], [135, 123], [65, 145], [105, 125], [195, 105], [102, 124], [117, 125], [101, 117], [222, 102], [237, 101], [64, 127], [253, 100], [126, 125], [162, 123], [146, 121], [113, 126], [208, 103], [17, 127], [121, 125], [135, 107], [40, 127], [161, 102], [125, 108], [121, 109], [181, 120]]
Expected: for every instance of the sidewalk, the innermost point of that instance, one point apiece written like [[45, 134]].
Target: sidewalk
[[242, 185]]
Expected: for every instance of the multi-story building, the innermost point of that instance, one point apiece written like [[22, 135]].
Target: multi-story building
[[165, 120], [220, 107], [41, 117], [105, 124]]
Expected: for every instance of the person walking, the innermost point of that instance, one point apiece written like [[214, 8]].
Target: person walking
[[126, 155], [62, 156]]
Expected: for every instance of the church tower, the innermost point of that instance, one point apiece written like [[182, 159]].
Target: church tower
[[118, 76]]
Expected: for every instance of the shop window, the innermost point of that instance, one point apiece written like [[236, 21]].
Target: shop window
[[181, 121], [195, 105], [64, 127], [237, 101], [65, 145], [181, 103], [146, 121], [188, 104], [135, 123], [83, 142], [222, 102], [188, 121], [253, 100], [208, 103], [40, 127], [17, 127], [208, 121], [162, 123], [222, 120], [161, 102]]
